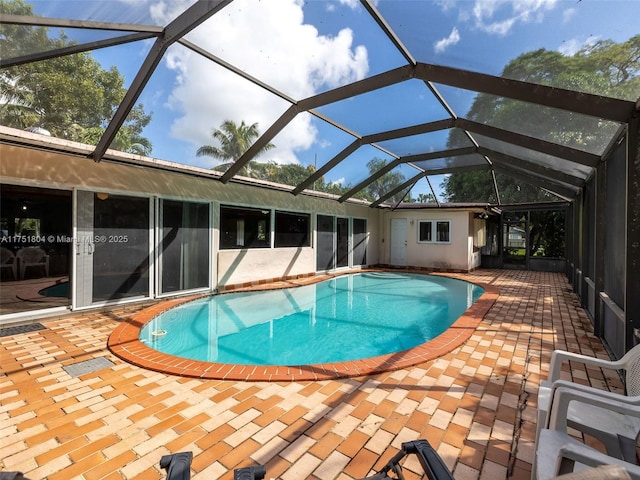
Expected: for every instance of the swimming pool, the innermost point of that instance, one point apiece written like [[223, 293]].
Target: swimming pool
[[345, 318]]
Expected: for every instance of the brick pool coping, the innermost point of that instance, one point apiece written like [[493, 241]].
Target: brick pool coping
[[124, 343]]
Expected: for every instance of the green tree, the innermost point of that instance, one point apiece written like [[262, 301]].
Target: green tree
[[425, 198], [385, 183], [604, 68], [129, 138], [547, 233], [233, 140], [289, 174], [71, 96]]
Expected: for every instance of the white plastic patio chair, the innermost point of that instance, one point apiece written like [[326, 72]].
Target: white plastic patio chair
[[558, 453], [32, 257], [588, 419], [8, 262]]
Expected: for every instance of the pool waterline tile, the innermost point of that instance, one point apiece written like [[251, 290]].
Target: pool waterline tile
[[124, 342]]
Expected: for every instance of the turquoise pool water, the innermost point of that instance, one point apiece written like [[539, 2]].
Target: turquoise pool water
[[346, 318]]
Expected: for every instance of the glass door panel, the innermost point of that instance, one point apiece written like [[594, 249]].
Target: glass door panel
[[359, 241], [121, 253], [112, 247], [342, 242], [325, 258], [35, 246], [185, 259]]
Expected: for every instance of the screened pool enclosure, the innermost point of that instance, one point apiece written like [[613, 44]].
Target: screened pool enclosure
[[202, 132]]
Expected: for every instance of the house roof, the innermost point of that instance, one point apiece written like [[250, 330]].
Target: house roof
[[417, 105]]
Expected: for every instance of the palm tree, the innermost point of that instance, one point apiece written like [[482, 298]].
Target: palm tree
[[234, 140], [425, 198]]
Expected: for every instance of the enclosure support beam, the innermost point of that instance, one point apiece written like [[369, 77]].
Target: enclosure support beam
[[408, 159], [600, 217], [195, 15], [579, 102], [569, 243], [632, 284]]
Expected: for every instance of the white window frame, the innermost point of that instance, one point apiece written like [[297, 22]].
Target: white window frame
[[434, 231]]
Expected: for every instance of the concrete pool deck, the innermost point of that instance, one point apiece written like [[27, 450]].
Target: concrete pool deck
[[70, 408]]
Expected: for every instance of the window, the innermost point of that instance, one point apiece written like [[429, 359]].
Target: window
[[292, 230], [442, 230], [244, 228], [431, 231], [425, 232]]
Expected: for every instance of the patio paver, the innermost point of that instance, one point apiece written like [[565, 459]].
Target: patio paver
[[475, 403]]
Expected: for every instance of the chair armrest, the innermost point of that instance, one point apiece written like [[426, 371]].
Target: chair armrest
[[635, 400], [562, 396], [432, 464], [177, 465], [558, 356], [571, 453]]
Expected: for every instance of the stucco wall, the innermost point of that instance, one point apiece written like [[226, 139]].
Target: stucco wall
[[240, 266], [39, 168], [451, 256]]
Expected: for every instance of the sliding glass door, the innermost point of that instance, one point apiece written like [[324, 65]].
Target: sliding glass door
[[35, 248], [112, 247], [340, 242], [184, 245]]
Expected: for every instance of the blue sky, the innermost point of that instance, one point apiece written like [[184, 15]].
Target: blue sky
[[303, 48]]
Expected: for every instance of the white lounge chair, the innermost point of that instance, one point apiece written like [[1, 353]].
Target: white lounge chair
[[594, 421], [558, 453]]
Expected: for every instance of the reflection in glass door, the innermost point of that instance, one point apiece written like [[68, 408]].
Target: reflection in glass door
[[112, 247]]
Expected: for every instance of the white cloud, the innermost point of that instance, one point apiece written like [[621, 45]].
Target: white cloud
[[568, 14], [571, 46], [446, 5], [164, 11], [498, 17], [353, 4], [261, 38], [453, 38]]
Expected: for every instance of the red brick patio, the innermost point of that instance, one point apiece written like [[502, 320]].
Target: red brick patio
[[475, 404]]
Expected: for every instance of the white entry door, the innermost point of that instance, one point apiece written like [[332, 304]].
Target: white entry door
[[398, 254]]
